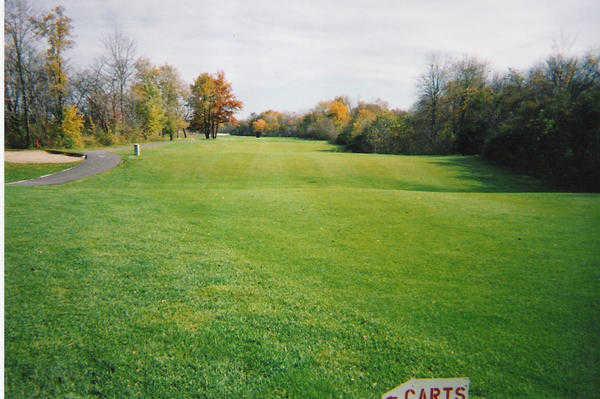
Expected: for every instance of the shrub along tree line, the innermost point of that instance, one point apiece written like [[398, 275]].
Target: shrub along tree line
[[119, 98], [544, 121]]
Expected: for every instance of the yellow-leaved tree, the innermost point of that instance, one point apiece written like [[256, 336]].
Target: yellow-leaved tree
[[364, 118], [259, 126], [148, 98], [339, 110], [56, 28], [72, 125]]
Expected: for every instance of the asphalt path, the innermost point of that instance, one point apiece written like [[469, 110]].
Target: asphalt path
[[95, 162]]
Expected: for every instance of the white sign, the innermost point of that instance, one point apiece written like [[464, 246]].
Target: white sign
[[434, 388]]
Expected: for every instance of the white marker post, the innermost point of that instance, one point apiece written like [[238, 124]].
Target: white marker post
[[433, 388]]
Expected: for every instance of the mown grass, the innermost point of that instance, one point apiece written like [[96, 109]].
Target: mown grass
[[281, 268], [19, 171]]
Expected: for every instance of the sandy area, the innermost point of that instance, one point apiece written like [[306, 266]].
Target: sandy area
[[31, 156]]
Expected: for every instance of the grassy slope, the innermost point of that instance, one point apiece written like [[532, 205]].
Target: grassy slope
[[281, 268], [19, 171]]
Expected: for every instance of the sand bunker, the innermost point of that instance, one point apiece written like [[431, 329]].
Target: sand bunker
[[31, 156]]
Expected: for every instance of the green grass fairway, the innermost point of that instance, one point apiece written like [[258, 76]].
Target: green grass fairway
[[283, 268], [19, 171]]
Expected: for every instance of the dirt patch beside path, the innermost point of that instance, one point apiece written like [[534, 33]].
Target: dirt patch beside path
[[33, 156]]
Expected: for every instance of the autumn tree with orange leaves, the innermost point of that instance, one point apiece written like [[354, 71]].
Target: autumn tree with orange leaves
[[213, 103]]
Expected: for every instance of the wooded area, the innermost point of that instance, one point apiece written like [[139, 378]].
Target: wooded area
[[119, 98], [544, 121]]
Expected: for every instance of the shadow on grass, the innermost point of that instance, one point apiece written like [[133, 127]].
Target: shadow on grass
[[336, 148], [472, 174], [481, 176]]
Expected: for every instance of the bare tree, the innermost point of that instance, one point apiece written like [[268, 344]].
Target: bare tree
[[120, 62], [431, 87], [85, 83], [19, 33]]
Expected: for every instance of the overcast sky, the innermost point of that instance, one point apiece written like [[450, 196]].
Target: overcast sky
[[288, 55]]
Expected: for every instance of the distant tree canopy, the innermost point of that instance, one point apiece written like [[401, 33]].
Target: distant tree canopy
[[120, 97]]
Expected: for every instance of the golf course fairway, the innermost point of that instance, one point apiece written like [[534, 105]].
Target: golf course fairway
[[270, 267]]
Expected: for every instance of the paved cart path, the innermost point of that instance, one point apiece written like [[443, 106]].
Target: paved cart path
[[94, 163]]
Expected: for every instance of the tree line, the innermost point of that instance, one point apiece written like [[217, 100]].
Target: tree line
[[544, 121], [119, 98]]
